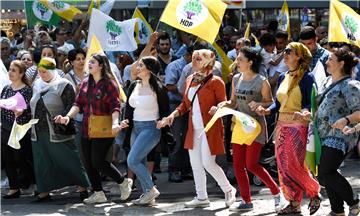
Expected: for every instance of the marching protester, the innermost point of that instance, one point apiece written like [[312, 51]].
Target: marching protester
[[98, 97], [16, 159], [26, 58], [203, 91], [339, 106], [293, 105]]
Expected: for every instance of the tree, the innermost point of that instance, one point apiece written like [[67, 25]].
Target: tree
[[113, 29], [193, 7]]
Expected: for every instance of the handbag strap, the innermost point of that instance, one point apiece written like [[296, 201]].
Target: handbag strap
[[203, 82], [331, 87], [89, 97]]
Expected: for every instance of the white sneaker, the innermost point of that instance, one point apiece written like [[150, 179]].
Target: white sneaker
[[230, 197], [96, 197], [280, 202], [125, 188], [5, 183], [196, 203], [137, 202], [149, 196]]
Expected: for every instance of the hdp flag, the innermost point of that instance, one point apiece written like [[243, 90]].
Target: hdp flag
[[37, 12], [107, 6], [284, 19], [18, 132], [225, 62], [313, 146], [62, 9], [4, 80], [112, 35], [198, 17], [344, 24], [143, 29]]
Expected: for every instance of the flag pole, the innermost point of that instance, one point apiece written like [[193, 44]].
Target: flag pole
[[240, 18]]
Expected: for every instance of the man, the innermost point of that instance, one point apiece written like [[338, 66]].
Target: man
[[227, 33], [61, 36], [321, 33], [233, 41], [163, 49], [179, 163], [5, 52], [308, 38]]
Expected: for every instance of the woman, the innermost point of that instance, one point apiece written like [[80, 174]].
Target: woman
[[26, 58], [293, 105], [202, 147], [250, 90], [339, 107], [148, 102], [16, 159], [102, 92], [56, 159]]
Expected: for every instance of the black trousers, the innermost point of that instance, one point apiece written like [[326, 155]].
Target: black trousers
[[337, 187], [94, 152], [17, 162]]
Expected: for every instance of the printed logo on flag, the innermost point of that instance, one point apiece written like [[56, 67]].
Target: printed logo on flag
[[249, 125], [144, 32], [59, 6], [114, 31], [351, 27], [41, 11], [191, 13], [283, 21]]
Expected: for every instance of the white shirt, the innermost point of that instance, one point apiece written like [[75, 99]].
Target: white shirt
[[196, 111], [146, 107]]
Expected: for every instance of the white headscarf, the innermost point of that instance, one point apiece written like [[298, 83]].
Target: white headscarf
[[49, 65]]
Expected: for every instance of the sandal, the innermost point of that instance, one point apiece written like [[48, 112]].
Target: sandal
[[314, 204], [290, 209]]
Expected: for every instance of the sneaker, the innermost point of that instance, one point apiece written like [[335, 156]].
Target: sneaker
[[230, 197], [5, 183], [196, 203], [354, 210], [241, 207], [280, 202], [96, 197], [149, 196], [137, 202], [125, 188]]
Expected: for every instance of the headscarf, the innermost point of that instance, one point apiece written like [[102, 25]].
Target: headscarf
[[304, 62], [48, 64], [206, 63]]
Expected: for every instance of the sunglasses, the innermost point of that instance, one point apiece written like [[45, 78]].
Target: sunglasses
[[287, 51]]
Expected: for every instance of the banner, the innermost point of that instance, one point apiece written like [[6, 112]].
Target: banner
[[62, 9], [112, 35], [284, 19], [246, 128], [4, 80], [36, 12], [18, 132], [344, 24], [225, 62], [143, 29], [198, 17], [15, 102]]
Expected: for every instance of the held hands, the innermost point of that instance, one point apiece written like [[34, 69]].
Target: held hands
[[62, 120], [213, 110], [124, 124], [254, 105], [349, 130], [304, 115], [340, 124], [260, 110], [115, 129], [166, 121]]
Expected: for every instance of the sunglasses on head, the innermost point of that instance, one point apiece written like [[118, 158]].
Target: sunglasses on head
[[287, 51]]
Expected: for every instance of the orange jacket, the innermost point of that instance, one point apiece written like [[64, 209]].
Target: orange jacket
[[212, 93]]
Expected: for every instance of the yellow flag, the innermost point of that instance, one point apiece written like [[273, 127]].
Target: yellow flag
[[92, 4], [64, 10], [18, 132], [247, 32], [95, 47], [225, 62], [344, 24], [198, 17], [246, 128], [143, 29], [256, 40], [284, 19]]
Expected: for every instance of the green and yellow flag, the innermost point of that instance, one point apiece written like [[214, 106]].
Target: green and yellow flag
[[344, 24], [143, 29], [225, 62], [284, 19], [198, 17], [62, 9], [36, 12]]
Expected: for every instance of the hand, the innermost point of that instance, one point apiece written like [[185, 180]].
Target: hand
[[62, 120], [253, 105], [167, 121], [124, 123], [304, 115], [18, 112], [222, 104], [349, 130], [153, 37], [161, 123], [213, 110], [260, 110], [340, 124], [115, 129]]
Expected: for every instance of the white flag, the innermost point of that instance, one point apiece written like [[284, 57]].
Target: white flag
[[4, 77], [319, 74], [107, 6], [113, 35], [18, 132]]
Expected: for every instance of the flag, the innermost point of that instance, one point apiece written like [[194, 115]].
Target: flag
[[344, 24], [143, 29], [235, 4], [107, 6], [255, 38], [36, 12], [225, 62], [313, 146], [95, 47], [12, 103], [18, 132], [113, 35], [198, 17], [319, 75], [284, 19], [92, 4], [247, 32], [4, 80], [246, 128], [62, 9]]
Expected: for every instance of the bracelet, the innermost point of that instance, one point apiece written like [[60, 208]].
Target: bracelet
[[68, 116], [347, 120]]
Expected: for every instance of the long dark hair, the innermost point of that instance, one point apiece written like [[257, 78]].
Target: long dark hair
[[253, 56], [153, 65], [105, 66], [22, 69], [348, 57]]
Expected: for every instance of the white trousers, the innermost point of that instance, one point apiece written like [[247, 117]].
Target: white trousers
[[201, 160]]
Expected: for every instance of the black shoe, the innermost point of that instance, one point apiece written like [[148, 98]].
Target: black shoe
[[187, 176], [83, 194], [13, 195], [36, 194], [44, 199], [175, 177]]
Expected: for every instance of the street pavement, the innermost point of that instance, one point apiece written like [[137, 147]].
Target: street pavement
[[170, 202]]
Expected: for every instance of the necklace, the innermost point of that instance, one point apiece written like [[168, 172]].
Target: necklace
[[290, 71]]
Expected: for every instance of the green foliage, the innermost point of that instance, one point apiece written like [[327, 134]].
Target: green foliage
[[351, 24]]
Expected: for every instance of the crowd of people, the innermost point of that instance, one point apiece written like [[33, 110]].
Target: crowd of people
[[174, 86]]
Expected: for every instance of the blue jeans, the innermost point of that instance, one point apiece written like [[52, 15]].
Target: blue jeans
[[144, 137]]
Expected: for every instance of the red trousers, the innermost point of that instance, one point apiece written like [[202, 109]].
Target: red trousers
[[246, 158]]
